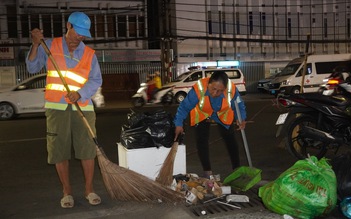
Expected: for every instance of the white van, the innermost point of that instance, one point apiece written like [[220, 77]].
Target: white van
[[318, 68], [185, 81]]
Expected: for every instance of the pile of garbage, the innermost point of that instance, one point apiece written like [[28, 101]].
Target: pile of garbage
[[198, 189]]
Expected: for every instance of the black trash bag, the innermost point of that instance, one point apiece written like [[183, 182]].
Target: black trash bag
[[159, 125], [135, 120], [136, 138], [342, 167]]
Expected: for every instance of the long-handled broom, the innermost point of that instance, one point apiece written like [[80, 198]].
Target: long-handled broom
[[121, 183], [165, 176]]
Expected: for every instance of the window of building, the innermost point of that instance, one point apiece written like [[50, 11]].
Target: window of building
[[12, 21], [325, 27], [264, 23], [100, 25], [52, 25], [289, 27], [122, 26], [348, 28], [46, 19], [111, 25], [57, 25], [25, 25], [141, 26], [132, 26], [237, 23], [250, 23], [209, 22], [224, 23], [92, 26], [34, 21]]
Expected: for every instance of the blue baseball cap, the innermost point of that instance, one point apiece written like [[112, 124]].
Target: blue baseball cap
[[81, 23]]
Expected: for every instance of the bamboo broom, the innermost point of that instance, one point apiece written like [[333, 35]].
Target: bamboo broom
[[121, 183], [165, 176]]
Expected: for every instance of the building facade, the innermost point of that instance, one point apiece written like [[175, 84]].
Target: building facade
[[172, 35], [273, 31]]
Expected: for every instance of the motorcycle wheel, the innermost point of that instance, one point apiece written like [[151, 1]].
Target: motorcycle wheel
[[138, 102], [302, 147]]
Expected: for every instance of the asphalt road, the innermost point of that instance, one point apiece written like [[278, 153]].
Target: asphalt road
[[29, 187]]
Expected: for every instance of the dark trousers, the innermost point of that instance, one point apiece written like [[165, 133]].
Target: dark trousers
[[202, 132]]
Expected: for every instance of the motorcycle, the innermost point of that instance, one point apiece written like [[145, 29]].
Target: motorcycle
[[162, 96], [333, 82], [317, 122]]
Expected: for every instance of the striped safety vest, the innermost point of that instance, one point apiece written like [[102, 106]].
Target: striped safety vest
[[75, 77], [203, 109]]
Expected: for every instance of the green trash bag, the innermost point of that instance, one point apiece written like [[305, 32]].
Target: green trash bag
[[305, 190]]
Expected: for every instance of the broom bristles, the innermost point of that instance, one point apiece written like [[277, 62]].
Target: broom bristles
[[165, 176], [124, 184]]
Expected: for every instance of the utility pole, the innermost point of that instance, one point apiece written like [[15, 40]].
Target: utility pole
[[165, 41]]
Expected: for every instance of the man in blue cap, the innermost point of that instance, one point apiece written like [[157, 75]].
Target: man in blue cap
[[65, 129]]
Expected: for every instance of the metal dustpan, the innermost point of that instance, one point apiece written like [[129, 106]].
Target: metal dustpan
[[243, 178]]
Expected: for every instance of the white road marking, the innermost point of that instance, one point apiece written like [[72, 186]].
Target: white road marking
[[22, 140]]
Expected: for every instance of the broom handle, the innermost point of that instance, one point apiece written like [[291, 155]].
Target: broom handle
[[243, 135], [305, 62], [80, 112]]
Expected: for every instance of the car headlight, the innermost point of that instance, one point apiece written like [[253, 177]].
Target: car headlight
[[285, 82]]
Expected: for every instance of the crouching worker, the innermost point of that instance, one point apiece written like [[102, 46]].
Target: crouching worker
[[212, 99]]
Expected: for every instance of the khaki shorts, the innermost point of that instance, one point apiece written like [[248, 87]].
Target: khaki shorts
[[66, 129]]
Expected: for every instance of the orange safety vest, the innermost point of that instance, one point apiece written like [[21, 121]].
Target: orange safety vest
[[203, 109], [75, 77]]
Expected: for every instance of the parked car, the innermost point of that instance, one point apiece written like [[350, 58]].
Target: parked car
[[28, 97], [262, 85], [318, 67], [185, 81]]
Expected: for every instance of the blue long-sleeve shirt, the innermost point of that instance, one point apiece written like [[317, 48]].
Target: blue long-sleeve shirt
[[95, 79], [192, 100]]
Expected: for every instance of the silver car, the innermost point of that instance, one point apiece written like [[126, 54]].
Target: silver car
[[28, 97]]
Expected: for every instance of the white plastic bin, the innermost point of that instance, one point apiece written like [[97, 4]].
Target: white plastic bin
[[148, 161]]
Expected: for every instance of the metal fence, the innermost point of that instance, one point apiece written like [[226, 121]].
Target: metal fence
[[142, 69], [253, 71]]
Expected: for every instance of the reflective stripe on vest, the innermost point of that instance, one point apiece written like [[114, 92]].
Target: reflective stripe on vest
[[68, 74], [202, 94], [61, 87], [224, 114], [203, 109], [63, 106]]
